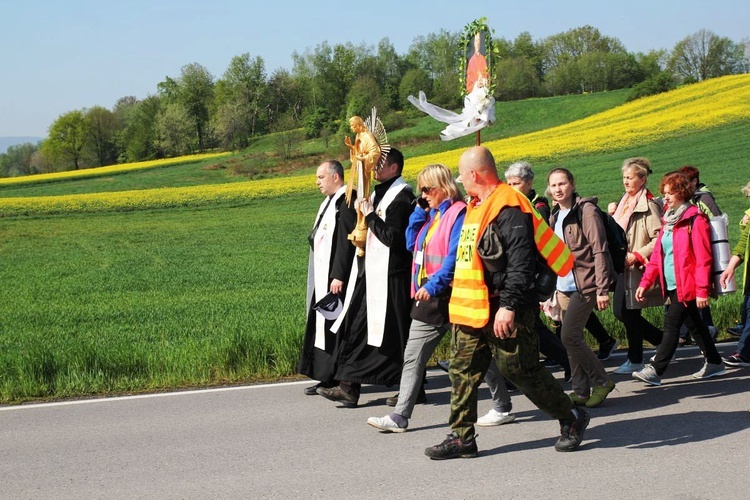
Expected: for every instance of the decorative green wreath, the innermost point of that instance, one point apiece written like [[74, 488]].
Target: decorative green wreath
[[470, 30]]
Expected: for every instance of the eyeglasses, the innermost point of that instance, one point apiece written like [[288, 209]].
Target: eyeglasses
[[426, 189]]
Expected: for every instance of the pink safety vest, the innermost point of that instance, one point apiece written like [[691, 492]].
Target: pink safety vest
[[439, 244]]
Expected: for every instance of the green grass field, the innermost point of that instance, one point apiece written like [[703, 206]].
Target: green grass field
[[129, 302]]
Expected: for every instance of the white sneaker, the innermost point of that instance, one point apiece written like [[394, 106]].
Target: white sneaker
[[710, 370], [648, 375], [385, 424], [495, 417], [628, 367]]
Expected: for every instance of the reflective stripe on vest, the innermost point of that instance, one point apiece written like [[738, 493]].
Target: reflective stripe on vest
[[437, 248], [469, 304]]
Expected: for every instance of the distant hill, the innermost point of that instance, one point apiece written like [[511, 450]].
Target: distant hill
[[6, 142]]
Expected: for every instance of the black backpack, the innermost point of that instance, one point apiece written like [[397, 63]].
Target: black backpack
[[617, 241]]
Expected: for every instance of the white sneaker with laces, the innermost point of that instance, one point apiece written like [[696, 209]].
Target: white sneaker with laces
[[385, 424], [710, 370], [648, 375], [495, 417]]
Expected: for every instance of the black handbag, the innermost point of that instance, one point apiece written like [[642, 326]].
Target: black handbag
[[434, 311]]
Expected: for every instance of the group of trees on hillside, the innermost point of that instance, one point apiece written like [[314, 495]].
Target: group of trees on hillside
[[196, 111]]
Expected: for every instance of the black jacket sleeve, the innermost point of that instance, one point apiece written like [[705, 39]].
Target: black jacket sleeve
[[392, 231], [511, 274]]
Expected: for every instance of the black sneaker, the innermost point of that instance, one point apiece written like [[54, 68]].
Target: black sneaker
[[571, 432], [737, 359], [736, 331], [605, 349], [453, 447]]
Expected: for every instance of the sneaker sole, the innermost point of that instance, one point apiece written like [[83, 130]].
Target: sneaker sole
[[502, 421], [387, 429], [736, 364], [462, 455], [644, 379], [715, 374]]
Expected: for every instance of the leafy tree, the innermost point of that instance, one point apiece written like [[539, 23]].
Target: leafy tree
[[17, 160], [315, 120], [287, 93], [655, 84], [196, 93], [329, 73], [102, 128], [704, 55], [437, 54], [414, 80], [516, 79], [139, 135], [241, 97], [363, 96], [286, 136], [67, 138], [173, 131]]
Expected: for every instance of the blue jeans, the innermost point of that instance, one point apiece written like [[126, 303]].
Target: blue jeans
[[743, 345]]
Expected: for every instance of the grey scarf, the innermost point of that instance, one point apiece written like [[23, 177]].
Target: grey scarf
[[672, 217]]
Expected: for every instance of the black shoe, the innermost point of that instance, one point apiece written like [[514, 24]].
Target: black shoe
[[312, 390], [443, 364], [550, 363], [510, 386], [339, 396], [421, 398], [605, 349], [737, 359], [453, 447], [571, 432], [736, 331]]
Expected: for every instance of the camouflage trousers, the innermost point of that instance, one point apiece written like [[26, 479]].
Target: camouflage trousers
[[518, 360]]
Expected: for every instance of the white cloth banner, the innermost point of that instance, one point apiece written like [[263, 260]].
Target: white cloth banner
[[478, 112]]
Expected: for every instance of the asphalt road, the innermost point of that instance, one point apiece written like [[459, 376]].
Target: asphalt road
[[686, 439]]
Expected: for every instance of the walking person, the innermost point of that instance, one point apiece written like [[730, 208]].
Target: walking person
[[576, 221], [330, 262], [493, 305], [741, 253], [681, 262], [640, 216], [432, 237], [374, 326]]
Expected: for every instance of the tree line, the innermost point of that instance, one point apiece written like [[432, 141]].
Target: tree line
[[195, 111]]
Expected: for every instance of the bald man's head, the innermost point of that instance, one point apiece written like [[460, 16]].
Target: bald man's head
[[477, 170]]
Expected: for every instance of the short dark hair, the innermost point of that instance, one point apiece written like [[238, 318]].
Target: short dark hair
[[679, 184], [335, 167], [397, 157], [690, 172]]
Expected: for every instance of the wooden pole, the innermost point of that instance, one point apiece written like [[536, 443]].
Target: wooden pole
[[479, 140]]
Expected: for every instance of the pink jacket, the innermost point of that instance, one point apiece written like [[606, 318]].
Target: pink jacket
[[691, 240]]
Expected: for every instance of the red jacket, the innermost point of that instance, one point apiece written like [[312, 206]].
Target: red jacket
[[691, 241]]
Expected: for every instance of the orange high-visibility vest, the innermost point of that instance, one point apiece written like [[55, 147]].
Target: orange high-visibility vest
[[469, 304]]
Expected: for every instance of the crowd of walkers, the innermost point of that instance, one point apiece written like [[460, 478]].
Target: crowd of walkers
[[510, 274]]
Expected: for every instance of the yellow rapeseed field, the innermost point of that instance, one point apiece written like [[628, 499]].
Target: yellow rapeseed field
[[87, 173], [693, 107]]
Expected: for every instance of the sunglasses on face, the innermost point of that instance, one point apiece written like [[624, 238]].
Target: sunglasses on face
[[426, 189]]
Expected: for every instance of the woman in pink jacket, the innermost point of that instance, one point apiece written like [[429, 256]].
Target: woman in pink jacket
[[681, 260]]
